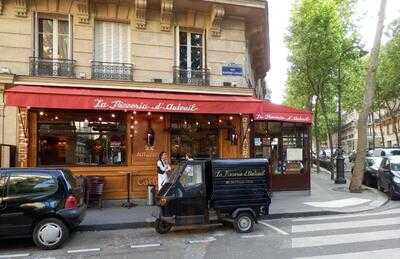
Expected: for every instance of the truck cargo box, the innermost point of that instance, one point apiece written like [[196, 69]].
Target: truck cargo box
[[238, 183]]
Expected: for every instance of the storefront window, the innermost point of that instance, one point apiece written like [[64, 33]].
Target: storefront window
[[195, 136], [284, 144], [81, 138]]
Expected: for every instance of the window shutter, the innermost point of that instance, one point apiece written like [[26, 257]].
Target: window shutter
[[112, 42]]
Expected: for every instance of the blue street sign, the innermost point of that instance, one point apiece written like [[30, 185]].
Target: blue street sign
[[232, 70]]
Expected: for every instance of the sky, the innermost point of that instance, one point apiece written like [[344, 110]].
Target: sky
[[366, 14]]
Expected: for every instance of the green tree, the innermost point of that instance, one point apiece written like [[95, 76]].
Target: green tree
[[388, 79], [325, 61], [369, 93]]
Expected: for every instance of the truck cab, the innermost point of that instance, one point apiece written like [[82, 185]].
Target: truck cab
[[208, 191]]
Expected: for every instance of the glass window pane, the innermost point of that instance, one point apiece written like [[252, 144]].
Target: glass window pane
[[183, 57], [197, 59], [196, 39], [46, 25], [63, 41], [192, 176], [63, 27], [183, 38], [46, 45], [2, 184], [26, 183], [84, 138]]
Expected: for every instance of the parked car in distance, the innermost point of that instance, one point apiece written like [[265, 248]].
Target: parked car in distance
[[389, 176], [372, 165], [43, 203], [386, 152]]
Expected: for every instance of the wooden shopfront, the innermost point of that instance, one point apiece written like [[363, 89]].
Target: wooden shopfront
[[283, 135], [119, 135]]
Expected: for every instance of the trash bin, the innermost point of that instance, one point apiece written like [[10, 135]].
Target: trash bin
[[150, 194]]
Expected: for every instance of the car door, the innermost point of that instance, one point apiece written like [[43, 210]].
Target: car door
[[385, 173], [3, 182], [26, 197], [192, 205]]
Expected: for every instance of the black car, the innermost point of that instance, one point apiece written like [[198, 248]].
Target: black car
[[210, 191], [389, 176], [372, 165], [40, 202]]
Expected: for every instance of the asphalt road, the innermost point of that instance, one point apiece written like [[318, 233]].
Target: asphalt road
[[368, 235]]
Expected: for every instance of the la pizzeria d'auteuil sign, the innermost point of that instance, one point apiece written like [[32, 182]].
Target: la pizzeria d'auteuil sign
[[160, 106], [227, 173]]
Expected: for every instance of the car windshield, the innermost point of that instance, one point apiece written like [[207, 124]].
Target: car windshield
[[375, 162], [395, 166], [395, 152]]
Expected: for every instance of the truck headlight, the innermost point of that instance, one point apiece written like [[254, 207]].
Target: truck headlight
[[396, 179], [163, 201]]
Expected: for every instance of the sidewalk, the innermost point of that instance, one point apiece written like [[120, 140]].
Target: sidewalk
[[325, 198]]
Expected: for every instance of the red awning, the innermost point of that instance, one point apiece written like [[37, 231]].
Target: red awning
[[84, 98], [276, 112]]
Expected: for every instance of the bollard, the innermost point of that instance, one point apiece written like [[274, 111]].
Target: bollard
[[150, 195]]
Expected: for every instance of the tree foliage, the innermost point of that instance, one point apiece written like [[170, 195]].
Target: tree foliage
[[325, 61]]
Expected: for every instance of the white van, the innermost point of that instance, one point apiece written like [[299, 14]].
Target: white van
[[386, 152]]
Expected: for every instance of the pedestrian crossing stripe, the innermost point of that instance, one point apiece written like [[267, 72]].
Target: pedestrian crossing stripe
[[347, 216], [325, 240], [345, 225], [384, 253]]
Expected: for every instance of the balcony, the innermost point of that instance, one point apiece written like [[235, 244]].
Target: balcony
[[193, 77], [112, 71], [51, 67]]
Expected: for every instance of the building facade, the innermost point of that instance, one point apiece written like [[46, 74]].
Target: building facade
[[182, 51]]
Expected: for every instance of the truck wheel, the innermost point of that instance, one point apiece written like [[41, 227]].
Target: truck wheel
[[392, 195], [162, 227], [244, 223], [50, 233]]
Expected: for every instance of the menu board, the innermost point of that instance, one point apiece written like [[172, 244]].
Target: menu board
[[294, 154]]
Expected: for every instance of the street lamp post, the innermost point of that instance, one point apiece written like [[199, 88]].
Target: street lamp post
[[340, 179]]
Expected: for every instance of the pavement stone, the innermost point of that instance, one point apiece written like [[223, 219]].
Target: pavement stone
[[324, 198]]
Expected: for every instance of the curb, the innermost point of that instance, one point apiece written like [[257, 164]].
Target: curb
[[135, 225]]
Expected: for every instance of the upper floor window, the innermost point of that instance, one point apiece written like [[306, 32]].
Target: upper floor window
[[53, 38], [52, 55], [112, 51], [191, 59]]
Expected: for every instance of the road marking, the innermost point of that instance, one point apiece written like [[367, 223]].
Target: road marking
[[145, 245], [14, 255], [384, 253], [210, 239], [345, 225], [252, 236], [386, 212], [219, 234], [338, 203], [83, 250], [326, 240], [280, 231]]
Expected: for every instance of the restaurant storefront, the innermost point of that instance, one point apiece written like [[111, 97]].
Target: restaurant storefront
[[119, 134]]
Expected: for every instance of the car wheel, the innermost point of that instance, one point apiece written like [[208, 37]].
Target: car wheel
[[162, 227], [392, 194], [50, 233], [379, 185], [244, 223]]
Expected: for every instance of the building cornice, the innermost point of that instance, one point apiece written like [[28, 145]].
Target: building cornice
[[247, 3], [135, 86]]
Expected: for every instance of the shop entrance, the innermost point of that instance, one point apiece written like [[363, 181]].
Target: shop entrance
[[286, 145], [195, 136]]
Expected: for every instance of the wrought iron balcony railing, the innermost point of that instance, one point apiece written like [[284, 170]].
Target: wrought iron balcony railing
[[195, 77], [112, 71], [51, 67]]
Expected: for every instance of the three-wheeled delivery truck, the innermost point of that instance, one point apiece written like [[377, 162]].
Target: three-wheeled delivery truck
[[211, 191]]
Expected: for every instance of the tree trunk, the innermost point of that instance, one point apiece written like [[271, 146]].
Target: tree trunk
[[358, 174], [373, 131], [394, 126], [381, 130]]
